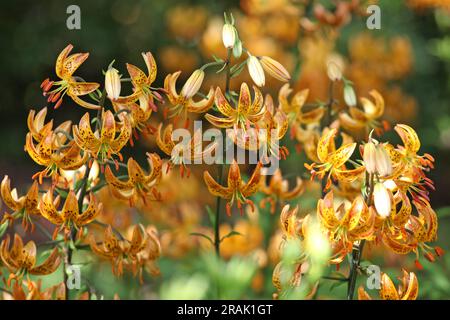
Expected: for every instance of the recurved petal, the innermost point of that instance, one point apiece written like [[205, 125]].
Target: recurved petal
[[12, 202], [222, 104], [252, 185], [49, 265], [138, 77], [341, 155], [220, 122], [83, 103], [216, 189], [93, 210], [70, 209], [388, 290], [151, 66], [48, 210], [59, 66], [411, 286], [409, 137], [245, 99], [108, 127], [373, 110], [362, 294], [325, 142], [113, 181], [72, 63]]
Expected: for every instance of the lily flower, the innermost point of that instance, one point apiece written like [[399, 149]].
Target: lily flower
[[333, 161], [357, 119], [246, 113], [20, 259], [105, 143], [70, 214], [236, 190], [183, 102], [139, 185], [277, 191], [52, 153], [408, 289], [182, 153], [345, 226], [66, 65], [24, 206], [141, 83], [136, 254]]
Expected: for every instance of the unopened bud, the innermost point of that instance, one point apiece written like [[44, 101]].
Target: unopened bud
[[256, 71], [349, 95], [275, 69], [112, 83], [193, 84], [369, 157], [383, 161], [334, 68], [382, 200], [228, 35], [237, 49]]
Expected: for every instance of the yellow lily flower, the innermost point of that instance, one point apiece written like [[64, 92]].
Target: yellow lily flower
[[139, 185], [408, 289], [290, 224], [246, 113], [21, 259], [141, 251], [236, 190], [333, 161], [183, 102], [70, 214], [103, 144], [357, 119], [24, 206], [39, 129], [66, 65], [141, 83], [52, 153], [277, 190], [345, 226]]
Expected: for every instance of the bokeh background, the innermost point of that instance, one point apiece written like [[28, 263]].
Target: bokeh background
[[408, 61]]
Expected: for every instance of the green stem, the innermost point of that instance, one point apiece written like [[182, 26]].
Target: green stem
[[358, 248]]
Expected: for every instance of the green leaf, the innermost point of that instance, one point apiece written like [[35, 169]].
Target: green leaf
[[61, 192], [202, 235], [231, 234], [337, 284]]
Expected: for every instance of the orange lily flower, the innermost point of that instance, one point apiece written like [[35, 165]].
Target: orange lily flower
[[141, 83], [408, 289], [66, 65], [181, 153], [136, 254], [357, 119], [104, 143], [34, 291], [344, 227], [39, 129], [183, 102], [236, 190], [139, 185], [267, 133], [70, 214], [333, 161], [21, 259], [52, 153], [24, 206], [246, 113], [409, 167], [287, 277], [277, 190], [294, 108]]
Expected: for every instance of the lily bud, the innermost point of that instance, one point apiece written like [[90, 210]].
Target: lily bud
[[383, 162], [334, 68], [349, 95], [237, 49], [112, 83], [382, 200], [228, 35], [275, 69], [256, 71], [193, 84], [369, 157]]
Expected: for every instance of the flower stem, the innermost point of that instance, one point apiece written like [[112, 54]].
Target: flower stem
[[358, 248]]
